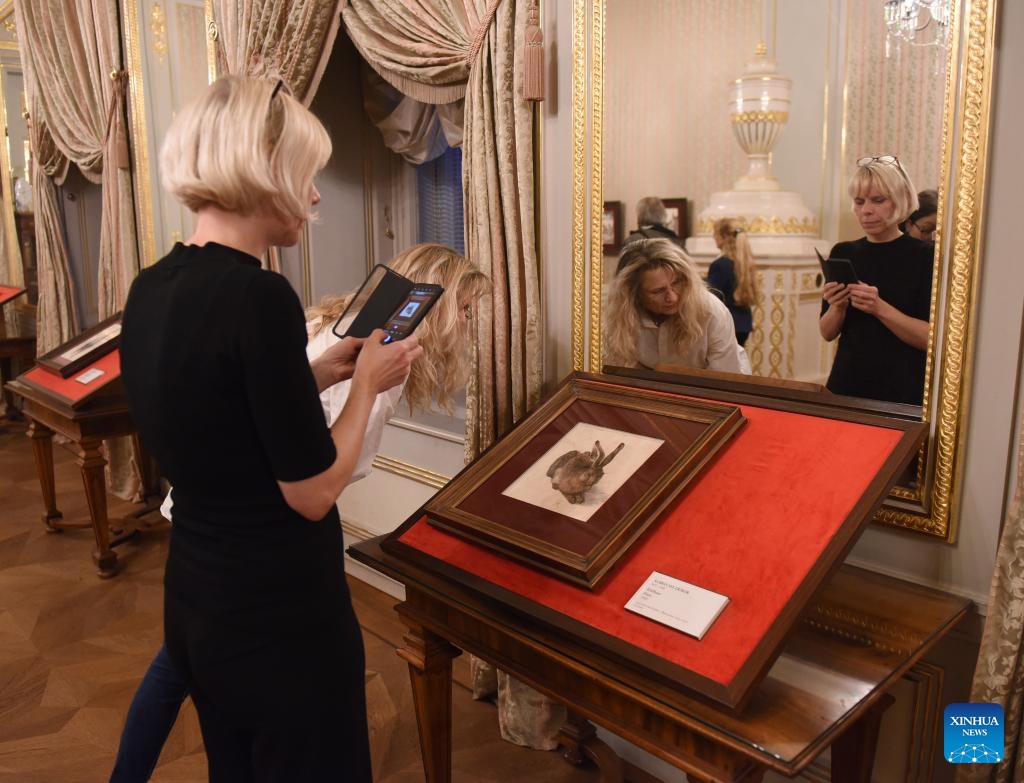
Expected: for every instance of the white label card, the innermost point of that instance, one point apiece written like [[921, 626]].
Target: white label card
[[90, 375], [677, 604]]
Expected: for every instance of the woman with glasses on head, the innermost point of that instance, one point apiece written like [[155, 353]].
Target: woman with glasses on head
[[257, 614], [882, 319], [660, 312]]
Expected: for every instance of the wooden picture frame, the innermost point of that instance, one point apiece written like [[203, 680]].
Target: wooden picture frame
[[553, 496], [612, 227], [81, 351], [678, 216]]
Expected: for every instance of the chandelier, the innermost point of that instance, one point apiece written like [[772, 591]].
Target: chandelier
[[916, 23]]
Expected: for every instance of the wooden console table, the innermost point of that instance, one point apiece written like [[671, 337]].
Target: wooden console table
[[20, 349], [828, 689], [88, 426]]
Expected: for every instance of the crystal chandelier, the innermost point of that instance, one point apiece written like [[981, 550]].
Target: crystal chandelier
[[916, 23]]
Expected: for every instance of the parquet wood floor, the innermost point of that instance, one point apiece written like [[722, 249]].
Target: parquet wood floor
[[73, 648]]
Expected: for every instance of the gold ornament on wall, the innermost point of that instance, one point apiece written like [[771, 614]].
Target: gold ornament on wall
[[158, 27]]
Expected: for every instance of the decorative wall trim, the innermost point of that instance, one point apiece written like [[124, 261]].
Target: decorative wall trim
[[357, 532], [141, 178], [410, 471], [158, 27], [423, 429], [212, 33], [579, 168]]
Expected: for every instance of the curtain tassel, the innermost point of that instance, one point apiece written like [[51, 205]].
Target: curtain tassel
[[533, 55], [115, 120]]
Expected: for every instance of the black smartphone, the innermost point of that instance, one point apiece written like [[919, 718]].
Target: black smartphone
[[838, 270], [411, 311], [381, 289]]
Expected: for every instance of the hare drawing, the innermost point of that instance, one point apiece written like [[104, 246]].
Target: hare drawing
[[575, 472]]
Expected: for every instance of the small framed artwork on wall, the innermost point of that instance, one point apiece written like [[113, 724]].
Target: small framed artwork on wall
[[678, 216], [612, 228]]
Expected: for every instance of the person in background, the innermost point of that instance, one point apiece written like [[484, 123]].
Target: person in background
[[434, 378], [735, 275], [881, 321], [444, 336], [660, 312], [923, 221], [652, 222], [257, 613]]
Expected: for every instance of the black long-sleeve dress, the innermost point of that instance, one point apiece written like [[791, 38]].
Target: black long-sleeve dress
[[257, 611]]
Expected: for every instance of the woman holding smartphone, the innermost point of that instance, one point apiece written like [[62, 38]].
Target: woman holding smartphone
[[434, 379], [257, 614], [881, 321]]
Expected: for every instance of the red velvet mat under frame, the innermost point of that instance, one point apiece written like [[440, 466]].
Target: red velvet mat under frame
[[762, 526], [8, 292], [71, 391]]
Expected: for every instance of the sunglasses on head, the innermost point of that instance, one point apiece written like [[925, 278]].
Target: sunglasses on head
[[890, 160]]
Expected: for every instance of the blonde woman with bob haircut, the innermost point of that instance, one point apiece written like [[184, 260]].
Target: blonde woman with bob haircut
[[881, 321], [735, 275], [444, 336], [660, 312], [257, 615]]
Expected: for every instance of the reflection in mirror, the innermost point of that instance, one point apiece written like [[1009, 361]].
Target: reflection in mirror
[[846, 84], [17, 231], [760, 142]]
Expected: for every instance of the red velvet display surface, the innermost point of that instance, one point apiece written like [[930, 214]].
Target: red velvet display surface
[[71, 390], [7, 293], [751, 528]]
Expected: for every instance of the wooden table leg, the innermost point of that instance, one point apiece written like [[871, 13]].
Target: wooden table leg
[[853, 752], [430, 672], [42, 450], [91, 461], [6, 374], [579, 738]]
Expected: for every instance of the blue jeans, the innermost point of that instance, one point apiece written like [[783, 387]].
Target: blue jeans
[[150, 719]]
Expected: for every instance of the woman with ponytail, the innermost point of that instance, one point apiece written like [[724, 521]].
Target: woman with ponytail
[[734, 273]]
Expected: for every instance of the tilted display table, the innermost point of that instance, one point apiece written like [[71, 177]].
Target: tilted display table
[[105, 416], [801, 657], [828, 688]]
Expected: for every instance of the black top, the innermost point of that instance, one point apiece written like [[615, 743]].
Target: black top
[[722, 275], [871, 361], [257, 611], [653, 231]]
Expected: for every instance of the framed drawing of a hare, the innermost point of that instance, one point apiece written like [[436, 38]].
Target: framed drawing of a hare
[[578, 481]]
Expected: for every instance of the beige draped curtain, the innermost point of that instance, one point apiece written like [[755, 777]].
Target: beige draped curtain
[[287, 38], [999, 673], [71, 53], [419, 132], [56, 316], [470, 49], [72, 59], [444, 52]]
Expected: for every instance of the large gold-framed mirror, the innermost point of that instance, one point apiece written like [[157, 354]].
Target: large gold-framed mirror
[[823, 123], [16, 227]]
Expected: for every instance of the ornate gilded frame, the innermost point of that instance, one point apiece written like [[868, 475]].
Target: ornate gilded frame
[[13, 275], [932, 511]]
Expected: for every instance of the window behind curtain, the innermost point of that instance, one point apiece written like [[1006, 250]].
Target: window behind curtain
[[439, 192], [439, 184]]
